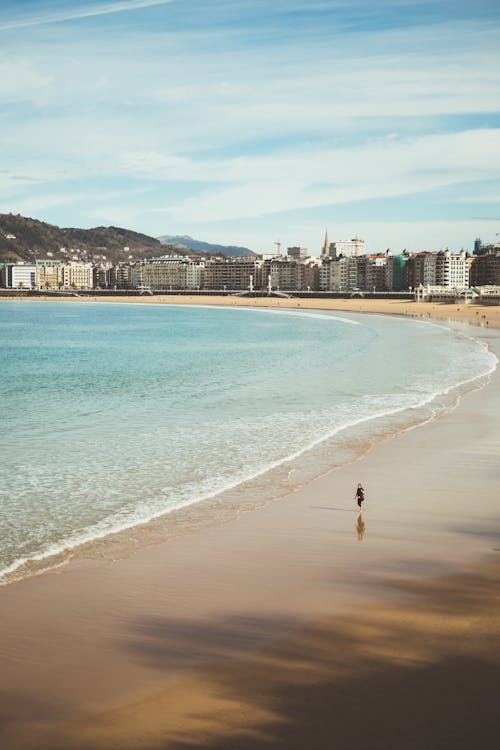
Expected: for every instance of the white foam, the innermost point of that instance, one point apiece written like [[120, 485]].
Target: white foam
[[209, 487]]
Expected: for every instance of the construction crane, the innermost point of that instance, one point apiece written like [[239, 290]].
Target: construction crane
[[278, 245]]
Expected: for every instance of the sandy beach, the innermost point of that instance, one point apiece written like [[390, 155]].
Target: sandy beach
[[473, 314], [299, 625]]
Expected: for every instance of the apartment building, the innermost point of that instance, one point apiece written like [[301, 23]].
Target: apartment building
[[421, 270], [237, 274], [441, 269], [376, 273], [452, 270], [485, 270], [339, 274], [77, 275], [172, 273], [119, 276], [286, 274]]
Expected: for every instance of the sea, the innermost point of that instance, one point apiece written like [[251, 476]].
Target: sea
[[122, 424]]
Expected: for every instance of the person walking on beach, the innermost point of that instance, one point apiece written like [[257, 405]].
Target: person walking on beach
[[360, 494]]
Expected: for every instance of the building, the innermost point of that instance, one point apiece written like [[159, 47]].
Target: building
[[485, 270], [49, 274], [396, 277], [194, 273], [421, 270], [351, 248], [168, 273], [339, 274], [312, 268], [438, 269], [77, 275], [233, 274], [298, 253], [452, 270], [286, 274], [136, 274], [18, 276], [375, 273], [101, 276], [119, 276]]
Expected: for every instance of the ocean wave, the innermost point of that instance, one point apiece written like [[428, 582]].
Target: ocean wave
[[251, 444]]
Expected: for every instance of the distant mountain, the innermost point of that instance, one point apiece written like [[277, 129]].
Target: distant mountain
[[186, 242], [23, 238]]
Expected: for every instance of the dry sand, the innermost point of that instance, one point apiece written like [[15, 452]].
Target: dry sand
[[475, 314], [298, 625]]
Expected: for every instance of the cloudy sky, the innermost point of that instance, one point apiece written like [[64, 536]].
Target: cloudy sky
[[249, 121]]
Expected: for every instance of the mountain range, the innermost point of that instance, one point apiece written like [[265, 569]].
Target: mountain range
[[26, 239], [185, 241]]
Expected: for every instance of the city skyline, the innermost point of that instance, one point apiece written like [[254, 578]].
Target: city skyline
[[244, 123]]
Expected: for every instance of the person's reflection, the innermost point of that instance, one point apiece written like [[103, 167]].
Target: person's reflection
[[360, 526]]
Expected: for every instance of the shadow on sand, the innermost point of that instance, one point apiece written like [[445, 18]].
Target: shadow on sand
[[413, 675]]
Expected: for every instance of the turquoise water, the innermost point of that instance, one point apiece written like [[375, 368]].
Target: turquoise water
[[113, 415]]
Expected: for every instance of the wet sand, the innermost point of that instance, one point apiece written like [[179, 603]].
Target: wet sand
[[298, 625]]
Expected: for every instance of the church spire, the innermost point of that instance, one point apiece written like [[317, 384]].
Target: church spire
[[326, 244]]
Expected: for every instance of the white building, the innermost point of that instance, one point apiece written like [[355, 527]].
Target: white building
[[442, 269], [19, 276], [452, 270], [77, 275], [349, 248]]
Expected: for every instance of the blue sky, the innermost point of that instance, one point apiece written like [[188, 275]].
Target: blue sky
[[247, 122]]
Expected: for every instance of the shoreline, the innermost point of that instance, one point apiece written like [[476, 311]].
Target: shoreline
[[474, 314], [165, 525], [260, 589]]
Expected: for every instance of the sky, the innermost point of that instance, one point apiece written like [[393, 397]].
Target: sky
[[251, 121]]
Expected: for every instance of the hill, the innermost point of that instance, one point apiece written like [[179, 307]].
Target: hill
[[26, 239], [23, 238], [186, 242]]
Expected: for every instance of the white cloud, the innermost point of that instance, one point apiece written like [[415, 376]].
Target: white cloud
[[268, 122], [37, 204], [289, 180]]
